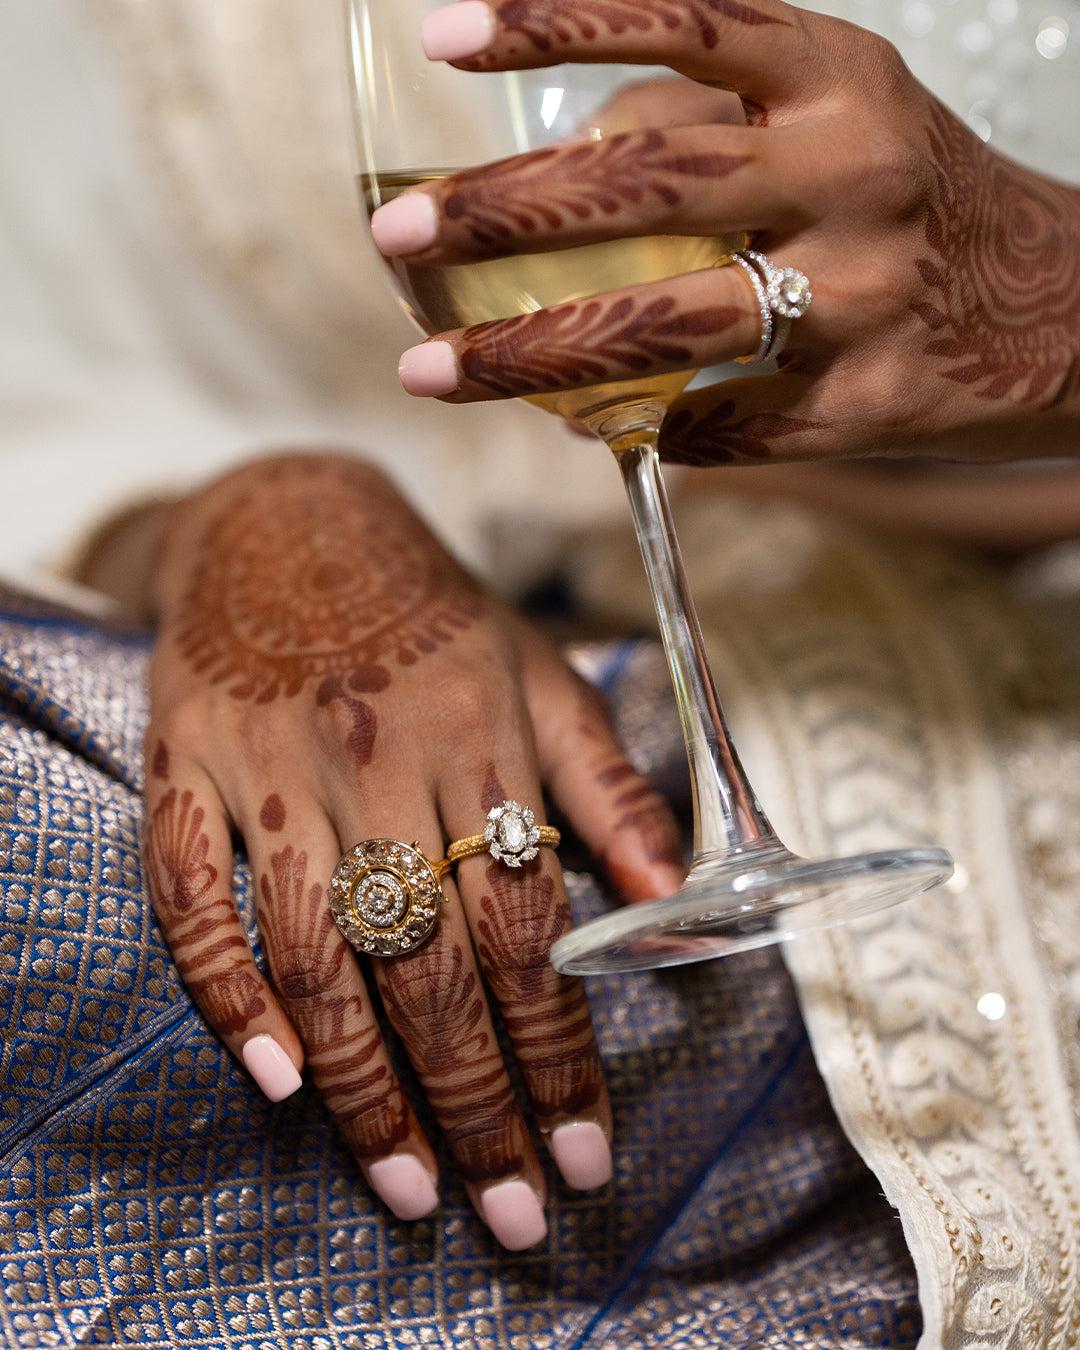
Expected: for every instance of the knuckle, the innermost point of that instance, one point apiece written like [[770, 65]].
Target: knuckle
[[306, 974]]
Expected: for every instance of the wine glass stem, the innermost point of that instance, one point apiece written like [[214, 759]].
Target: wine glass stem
[[727, 815]]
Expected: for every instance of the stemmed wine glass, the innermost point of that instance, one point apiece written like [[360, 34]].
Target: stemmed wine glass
[[416, 121]]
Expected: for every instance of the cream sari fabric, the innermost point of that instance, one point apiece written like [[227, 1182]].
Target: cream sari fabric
[[889, 695]]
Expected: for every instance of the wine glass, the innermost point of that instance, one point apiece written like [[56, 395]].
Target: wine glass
[[415, 121]]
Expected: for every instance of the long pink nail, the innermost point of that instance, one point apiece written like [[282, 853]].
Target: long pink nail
[[403, 1186], [457, 31], [406, 225], [429, 370], [271, 1067], [582, 1154], [514, 1214]]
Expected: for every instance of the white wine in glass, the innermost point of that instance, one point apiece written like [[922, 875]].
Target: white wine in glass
[[416, 121]]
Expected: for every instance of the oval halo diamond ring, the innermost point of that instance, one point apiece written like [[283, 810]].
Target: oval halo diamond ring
[[511, 836], [385, 896]]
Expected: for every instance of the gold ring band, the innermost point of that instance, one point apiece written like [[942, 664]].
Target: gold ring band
[[511, 836]]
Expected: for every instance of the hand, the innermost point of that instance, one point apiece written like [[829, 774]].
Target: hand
[[325, 673], [946, 279]]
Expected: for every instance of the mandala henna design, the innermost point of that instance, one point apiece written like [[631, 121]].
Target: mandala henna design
[[567, 21], [1004, 280], [546, 1014], [558, 186], [586, 342], [176, 853], [344, 1049], [437, 1009], [719, 437], [318, 574]]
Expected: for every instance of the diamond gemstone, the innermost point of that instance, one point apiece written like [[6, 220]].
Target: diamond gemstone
[[381, 899]]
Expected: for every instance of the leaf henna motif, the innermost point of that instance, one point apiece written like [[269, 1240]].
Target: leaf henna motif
[[343, 1047], [546, 1014], [718, 437], [176, 853], [437, 1009], [586, 342], [1004, 278], [551, 187], [318, 574], [566, 21]]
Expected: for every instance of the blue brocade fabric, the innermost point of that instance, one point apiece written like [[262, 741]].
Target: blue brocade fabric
[[149, 1196]]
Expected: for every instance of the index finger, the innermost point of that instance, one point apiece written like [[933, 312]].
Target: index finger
[[753, 46]]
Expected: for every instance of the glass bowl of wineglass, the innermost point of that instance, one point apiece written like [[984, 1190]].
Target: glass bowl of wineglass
[[416, 121]]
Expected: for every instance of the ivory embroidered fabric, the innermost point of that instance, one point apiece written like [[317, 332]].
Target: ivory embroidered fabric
[[894, 696]]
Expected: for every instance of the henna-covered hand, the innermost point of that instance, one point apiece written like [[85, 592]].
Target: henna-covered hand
[[326, 673], [946, 278]]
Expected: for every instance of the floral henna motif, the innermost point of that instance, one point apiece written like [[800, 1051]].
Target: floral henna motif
[[1004, 280], [435, 1005], [567, 21], [318, 574], [558, 186], [586, 342], [719, 437], [343, 1047], [546, 1014]]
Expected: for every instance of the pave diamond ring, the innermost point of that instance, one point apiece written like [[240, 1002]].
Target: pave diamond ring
[[511, 836], [782, 293], [385, 896]]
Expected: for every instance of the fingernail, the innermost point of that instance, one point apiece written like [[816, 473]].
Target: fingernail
[[582, 1154], [403, 1185], [406, 225], [514, 1214], [271, 1067], [428, 370], [456, 31]]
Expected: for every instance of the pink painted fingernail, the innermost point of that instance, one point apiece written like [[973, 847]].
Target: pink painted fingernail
[[514, 1214], [582, 1154], [456, 31], [428, 370], [403, 1185], [406, 225], [271, 1067]]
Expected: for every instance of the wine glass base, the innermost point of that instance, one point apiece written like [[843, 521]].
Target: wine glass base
[[748, 900]]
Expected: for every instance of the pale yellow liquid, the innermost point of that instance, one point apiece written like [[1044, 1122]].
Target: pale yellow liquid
[[442, 298]]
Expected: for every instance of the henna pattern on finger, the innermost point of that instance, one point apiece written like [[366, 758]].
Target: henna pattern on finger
[[159, 764], [318, 572], [435, 1004], [719, 436], [570, 21], [207, 943], [1004, 281], [546, 1014], [568, 185], [313, 972], [272, 814], [177, 848], [493, 793], [586, 342]]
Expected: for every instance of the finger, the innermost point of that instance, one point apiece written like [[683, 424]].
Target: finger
[[705, 181], [684, 323], [793, 416], [515, 914], [189, 857], [617, 812], [434, 998], [315, 971], [759, 47]]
